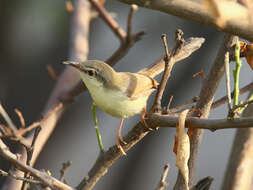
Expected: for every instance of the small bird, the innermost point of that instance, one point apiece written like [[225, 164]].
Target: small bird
[[120, 94]]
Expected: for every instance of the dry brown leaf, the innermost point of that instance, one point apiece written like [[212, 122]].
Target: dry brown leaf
[[222, 11], [247, 47], [183, 147]]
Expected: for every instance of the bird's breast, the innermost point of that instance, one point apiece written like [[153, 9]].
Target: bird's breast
[[116, 103]]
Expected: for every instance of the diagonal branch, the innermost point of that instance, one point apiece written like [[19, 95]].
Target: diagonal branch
[[47, 180]]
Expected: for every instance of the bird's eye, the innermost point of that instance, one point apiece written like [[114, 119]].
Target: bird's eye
[[91, 73]]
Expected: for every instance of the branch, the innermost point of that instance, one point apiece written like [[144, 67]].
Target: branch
[[119, 32], [169, 63], [62, 92], [3, 173], [196, 12], [223, 100], [43, 177], [239, 174], [65, 166], [190, 46], [162, 184], [206, 97], [157, 119]]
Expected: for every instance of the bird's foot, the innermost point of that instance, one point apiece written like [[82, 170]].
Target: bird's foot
[[120, 147], [143, 113]]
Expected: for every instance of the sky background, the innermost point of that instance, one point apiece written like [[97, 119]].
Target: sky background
[[36, 33]]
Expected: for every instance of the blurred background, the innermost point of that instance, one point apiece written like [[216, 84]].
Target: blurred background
[[37, 33]]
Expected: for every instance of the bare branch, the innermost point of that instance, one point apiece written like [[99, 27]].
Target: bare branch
[[226, 61], [162, 184], [119, 32], [65, 166], [190, 46], [62, 93], [43, 177], [157, 119], [194, 11], [239, 174], [169, 63], [223, 100], [21, 118], [8, 174], [133, 9], [206, 96], [7, 119]]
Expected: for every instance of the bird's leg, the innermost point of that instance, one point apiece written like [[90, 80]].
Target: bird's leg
[[119, 139], [143, 113]]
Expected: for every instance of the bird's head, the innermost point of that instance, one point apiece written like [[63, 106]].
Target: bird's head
[[93, 72]]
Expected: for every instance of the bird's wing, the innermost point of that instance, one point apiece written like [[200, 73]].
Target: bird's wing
[[136, 85]]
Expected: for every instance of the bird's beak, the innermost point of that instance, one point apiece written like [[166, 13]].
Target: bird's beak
[[73, 64]]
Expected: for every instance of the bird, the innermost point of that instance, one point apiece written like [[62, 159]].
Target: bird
[[120, 94]]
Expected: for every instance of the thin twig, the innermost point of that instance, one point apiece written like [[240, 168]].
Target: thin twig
[[8, 120], [133, 9], [226, 61], [43, 177], [14, 135], [7, 174], [29, 151], [120, 33], [169, 62], [223, 100], [65, 166], [169, 104], [243, 104], [163, 184], [182, 107], [167, 58], [21, 118]]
